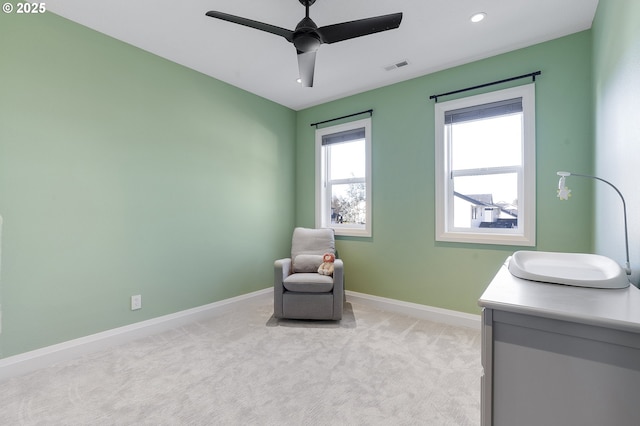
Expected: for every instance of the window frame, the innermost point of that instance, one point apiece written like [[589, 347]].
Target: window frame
[[525, 234], [323, 201]]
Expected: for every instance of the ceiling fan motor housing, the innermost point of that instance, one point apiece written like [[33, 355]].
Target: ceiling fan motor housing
[[306, 37]]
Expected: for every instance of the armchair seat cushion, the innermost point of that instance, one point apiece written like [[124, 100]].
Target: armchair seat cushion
[[308, 283]]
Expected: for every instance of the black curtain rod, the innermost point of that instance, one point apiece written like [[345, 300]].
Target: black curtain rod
[[369, 111], [531, 74]]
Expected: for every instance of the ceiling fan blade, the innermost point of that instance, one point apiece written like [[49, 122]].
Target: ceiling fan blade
[[306, 66], [361, 27], [287, 34]]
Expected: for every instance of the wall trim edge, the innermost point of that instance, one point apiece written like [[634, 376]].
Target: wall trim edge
[[425, 312], [27, 362]]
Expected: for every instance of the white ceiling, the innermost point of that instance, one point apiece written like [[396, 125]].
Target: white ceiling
[[434, 35]]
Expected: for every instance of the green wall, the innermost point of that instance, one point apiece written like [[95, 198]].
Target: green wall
[[402, 260], [122, 173], [616, 86]]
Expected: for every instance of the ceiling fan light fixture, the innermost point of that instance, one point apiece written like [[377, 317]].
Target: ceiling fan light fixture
[[478, 17]]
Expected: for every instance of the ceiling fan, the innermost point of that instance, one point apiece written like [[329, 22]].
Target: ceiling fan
[[307, 37]]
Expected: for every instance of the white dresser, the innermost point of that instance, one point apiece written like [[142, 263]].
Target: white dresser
[[556, 355]]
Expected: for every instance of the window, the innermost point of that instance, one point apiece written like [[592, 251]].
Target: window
[[343, 178], [485, 168]]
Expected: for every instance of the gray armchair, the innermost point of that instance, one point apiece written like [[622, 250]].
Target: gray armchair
[[299, 291]]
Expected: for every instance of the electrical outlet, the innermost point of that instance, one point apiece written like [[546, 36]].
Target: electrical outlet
[[136, 302]]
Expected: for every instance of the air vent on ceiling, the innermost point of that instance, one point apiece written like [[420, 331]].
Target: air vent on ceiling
[[397, 65]]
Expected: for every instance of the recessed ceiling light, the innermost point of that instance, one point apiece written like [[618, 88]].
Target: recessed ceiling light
[[478, 17], [299, 80]]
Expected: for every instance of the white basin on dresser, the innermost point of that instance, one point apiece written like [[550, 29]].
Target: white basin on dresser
[[576, 269]]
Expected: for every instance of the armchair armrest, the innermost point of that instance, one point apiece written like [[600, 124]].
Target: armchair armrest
[[338, 288], [281, 270], [338, 274]]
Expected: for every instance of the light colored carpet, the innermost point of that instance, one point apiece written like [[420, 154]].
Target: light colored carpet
[[247, 368]]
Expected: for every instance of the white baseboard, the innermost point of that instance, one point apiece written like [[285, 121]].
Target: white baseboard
[[40, 358], [33, 360], [430, 313]]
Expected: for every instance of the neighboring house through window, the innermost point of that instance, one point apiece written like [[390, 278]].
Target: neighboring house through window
[[485, 168], [343, 178]]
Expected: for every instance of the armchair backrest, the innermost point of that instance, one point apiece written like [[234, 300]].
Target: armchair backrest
[[312, 241]]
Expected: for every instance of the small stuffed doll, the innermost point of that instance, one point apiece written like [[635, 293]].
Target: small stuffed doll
[[327, 266]]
